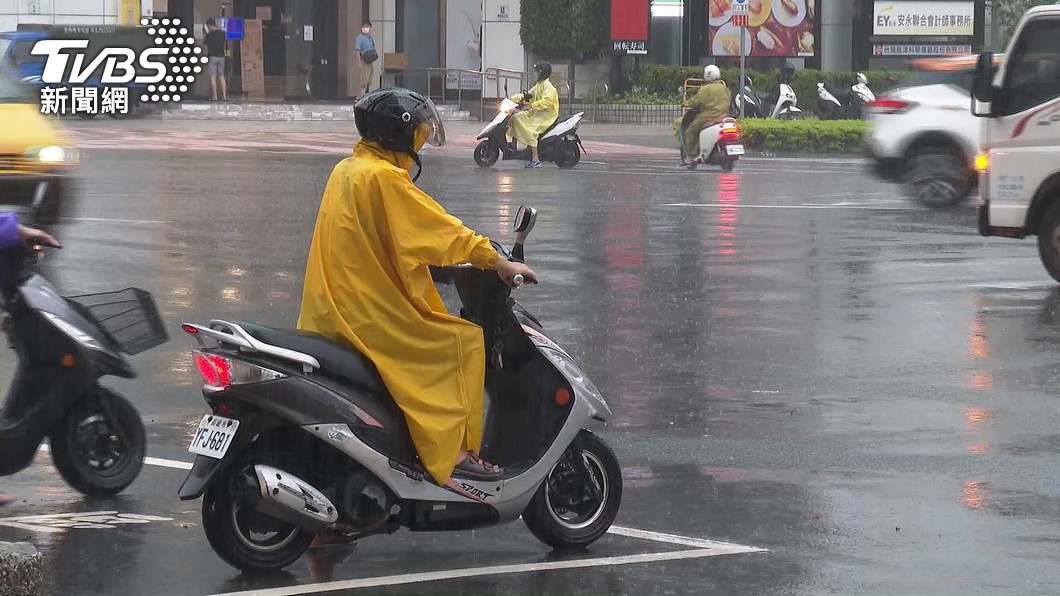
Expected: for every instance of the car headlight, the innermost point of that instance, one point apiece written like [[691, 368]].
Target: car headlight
[[76, 334], [53, 154]]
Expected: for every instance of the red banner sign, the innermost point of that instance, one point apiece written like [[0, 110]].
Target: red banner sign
[[629, 25]]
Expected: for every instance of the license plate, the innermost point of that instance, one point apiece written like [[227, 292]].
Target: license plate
[[213, 436], [734, 149]]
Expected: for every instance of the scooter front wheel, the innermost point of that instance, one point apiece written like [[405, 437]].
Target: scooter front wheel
[[579, 499], [487, 153], [99, 447]]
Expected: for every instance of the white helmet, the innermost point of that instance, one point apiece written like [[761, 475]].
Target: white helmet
[[711, 73], [864, 80]]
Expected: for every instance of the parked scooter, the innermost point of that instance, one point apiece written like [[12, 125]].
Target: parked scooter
[[845, 104], [718, 145], [559, 143], [304, 438], [754, 104], [787, 107], [64, 346]]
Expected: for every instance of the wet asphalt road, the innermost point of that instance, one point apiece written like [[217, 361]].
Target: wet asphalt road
[[797, 358]]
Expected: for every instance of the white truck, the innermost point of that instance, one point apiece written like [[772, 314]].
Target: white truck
[[1019, 159]]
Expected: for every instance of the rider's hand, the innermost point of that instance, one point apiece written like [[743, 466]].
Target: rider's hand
[[508, 270], [32, 237]]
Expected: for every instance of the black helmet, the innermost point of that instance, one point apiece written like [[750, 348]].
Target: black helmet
[[786, 71], [543, 70], [390, 118]]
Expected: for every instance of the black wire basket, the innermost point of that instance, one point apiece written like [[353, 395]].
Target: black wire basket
[[129, 317]]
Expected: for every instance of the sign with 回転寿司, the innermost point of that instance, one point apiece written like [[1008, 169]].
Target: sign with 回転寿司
[[921, 17], [630, 26]]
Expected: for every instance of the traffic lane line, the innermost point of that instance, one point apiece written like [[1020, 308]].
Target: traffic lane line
[[675, 539], [433, 576]]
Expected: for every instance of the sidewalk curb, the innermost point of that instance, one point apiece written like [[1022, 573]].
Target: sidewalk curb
[[21, 569]]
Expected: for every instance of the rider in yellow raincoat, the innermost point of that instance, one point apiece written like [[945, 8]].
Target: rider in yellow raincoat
[[543, 98], [368, 284]]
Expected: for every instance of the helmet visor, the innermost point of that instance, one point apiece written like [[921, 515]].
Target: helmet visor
[[430, 123]]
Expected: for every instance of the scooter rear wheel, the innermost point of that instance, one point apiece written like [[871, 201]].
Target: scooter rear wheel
[[728, 165], [574, 508], [487, 153], [568, 154], [242, 536], [95, 454]]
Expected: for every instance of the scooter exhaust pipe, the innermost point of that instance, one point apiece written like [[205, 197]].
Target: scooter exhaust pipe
[[291, 499]]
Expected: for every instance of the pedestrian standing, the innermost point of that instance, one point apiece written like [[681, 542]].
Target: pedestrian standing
[[215, 51], [364, 47]]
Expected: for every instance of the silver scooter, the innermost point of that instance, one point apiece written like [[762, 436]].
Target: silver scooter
[[303, 438]]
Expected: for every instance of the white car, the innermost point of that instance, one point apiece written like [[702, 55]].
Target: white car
[[923, 134]]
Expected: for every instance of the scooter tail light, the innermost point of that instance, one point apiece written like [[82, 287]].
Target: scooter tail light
[[219, 372]]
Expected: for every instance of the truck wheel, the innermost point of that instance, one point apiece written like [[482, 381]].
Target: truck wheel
[[1049, 240]]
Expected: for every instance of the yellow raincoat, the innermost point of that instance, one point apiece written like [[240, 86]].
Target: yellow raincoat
[[368, 285], [544, 109]]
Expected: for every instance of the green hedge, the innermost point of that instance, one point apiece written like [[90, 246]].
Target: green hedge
[[802, 136], [666, 81]]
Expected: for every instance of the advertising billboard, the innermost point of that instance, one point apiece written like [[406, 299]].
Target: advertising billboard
[[779, 28], [920, 18]]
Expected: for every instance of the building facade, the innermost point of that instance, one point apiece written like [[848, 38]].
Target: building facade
[[81, 12], [827, 34]]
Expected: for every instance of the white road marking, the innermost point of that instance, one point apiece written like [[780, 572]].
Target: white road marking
[[701, 543], [865, 206], [151, 461], [60, 522], [121, 221], [432, 576], [679, 540], [167, 463]]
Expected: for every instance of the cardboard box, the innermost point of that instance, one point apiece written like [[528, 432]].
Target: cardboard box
[[395, 60]]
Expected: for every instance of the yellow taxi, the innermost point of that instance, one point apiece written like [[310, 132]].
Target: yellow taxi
[[37, 160]]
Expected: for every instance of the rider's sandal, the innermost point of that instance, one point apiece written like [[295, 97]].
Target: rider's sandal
[[475, 469]]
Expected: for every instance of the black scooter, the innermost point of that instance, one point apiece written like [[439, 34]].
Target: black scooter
[[303, 437], [64, 346], [754, 102], [559, 143]]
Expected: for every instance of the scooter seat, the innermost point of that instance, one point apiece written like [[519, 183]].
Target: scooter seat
[[346, 365], [558, 121]]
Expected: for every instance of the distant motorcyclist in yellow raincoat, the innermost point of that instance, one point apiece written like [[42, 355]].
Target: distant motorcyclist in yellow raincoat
[[711, 103], [543, 98], [368, 284]]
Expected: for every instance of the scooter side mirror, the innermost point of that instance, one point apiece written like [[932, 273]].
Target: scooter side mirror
[[525, 219]]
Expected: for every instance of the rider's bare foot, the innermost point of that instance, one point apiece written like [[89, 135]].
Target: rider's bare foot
[[472, 466], [7, 500]]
